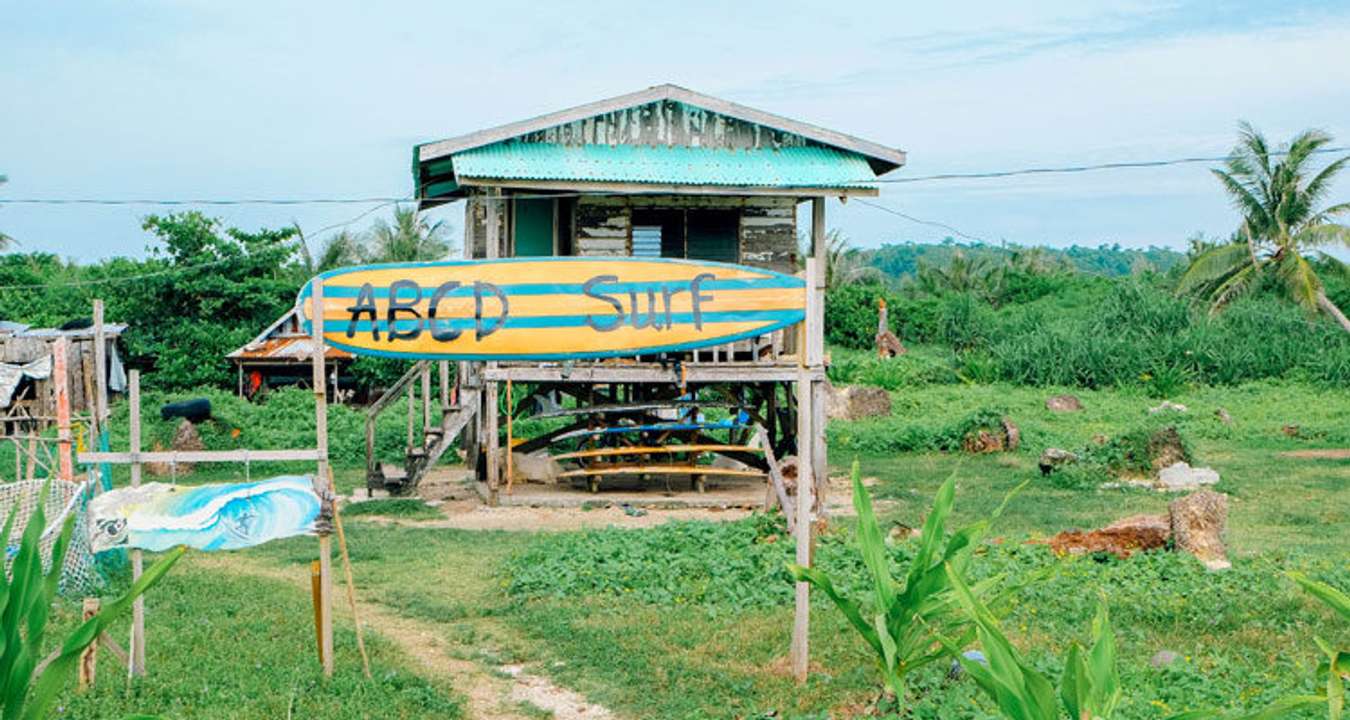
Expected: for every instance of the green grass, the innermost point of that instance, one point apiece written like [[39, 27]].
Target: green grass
[[406, 508], [223, 645], [693, 620]]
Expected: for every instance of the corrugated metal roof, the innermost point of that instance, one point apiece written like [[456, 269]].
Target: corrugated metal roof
[[285, 349], [668, 165]]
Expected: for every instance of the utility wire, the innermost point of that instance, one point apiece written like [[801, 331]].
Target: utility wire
[[921, 221], [1051, 170]]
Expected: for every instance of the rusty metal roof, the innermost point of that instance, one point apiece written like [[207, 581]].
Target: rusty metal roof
[[283, 341]]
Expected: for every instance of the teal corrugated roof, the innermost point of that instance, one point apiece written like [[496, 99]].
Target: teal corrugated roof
[[673, 165]]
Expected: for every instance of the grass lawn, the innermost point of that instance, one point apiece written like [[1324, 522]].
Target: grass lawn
[[692, 620]]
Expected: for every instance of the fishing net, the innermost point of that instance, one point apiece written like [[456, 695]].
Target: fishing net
[[80, 574]]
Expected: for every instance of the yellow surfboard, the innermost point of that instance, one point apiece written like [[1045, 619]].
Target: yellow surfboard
[[549, 308]]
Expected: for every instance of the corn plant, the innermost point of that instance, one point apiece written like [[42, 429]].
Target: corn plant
[[904, 619], [26, 598], [1089, 689]]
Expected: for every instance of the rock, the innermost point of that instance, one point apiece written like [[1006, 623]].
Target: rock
[[1291, 430], [1163, 658], [1100, 439], [1005, 437], [1121, 538], [1223, 416], [1165, 448], [1011, 435], [900, 533], [1181, 476], [185, 439], [536, 467], [855, 402], [1167, 406], [956, 672], [1198, 523], [1054, 457], [1063, 403]]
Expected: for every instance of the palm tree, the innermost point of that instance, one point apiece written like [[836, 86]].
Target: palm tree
[[344, 248], [1278, 193], [6, 242], [961, 275], [408, 238]]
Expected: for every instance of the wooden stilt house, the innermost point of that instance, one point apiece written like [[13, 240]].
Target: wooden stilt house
[[661, 173]]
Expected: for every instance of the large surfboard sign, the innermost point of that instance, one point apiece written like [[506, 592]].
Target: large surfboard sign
[[549, 308]]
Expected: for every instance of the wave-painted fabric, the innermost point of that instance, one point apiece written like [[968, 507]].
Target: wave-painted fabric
[[156, 516]]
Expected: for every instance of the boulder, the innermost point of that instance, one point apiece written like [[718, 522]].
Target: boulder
[[1167, 406], [1054, 457], [1005, 437], [1181, 476], [1165, 448], [1063, 403], [1198, 522], [1121, 538], [855, 402], [185, 439]]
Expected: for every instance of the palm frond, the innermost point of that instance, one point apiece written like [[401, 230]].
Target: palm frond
[[1247, 201], [1213, 265], [1318, 186], [1323, 234], [1233, 287], [1301, 280]]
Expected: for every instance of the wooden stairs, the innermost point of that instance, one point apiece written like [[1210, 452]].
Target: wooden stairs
[[425, 448]]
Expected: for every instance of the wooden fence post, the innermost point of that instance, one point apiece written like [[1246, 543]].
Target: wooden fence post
[[61, 382], [89, 657], [136, 649], [806, 470], [321, 444]]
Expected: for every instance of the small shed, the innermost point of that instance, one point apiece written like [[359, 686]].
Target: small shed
[[27, 396], [280, 355]]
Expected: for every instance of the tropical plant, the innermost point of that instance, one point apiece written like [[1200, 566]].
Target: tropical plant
[[1334, 672], [408, 238], [1278, 193], [344, 248], [962, 274], [6, 242], [906, 621], [26, 598], [1089, 689]]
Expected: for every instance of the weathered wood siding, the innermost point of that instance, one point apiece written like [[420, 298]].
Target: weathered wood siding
[[475, 224], [767, 236], [667, 122]]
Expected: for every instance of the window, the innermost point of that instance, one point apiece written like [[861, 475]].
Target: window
[[533, 227], [713, 235], [647, 241]]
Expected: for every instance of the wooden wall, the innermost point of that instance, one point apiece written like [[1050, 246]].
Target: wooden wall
[[667, 122]]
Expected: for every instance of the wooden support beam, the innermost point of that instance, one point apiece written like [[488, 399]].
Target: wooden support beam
[[510, 437], [88, 668], [491, 441], [651, 373], [136, 666], [321, 446], [198, 456], [426, 400]]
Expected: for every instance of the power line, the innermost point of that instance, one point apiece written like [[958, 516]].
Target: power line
[[921, 221], [1070, 169], [981, 175]]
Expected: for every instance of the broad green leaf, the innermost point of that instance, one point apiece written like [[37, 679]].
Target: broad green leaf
[[1284, 706], [1335, 599]]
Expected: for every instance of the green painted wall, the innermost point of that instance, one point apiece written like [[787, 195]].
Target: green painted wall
[[534, 227]]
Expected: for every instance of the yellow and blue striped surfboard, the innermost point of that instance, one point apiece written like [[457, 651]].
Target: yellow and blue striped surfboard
[[549, 308]]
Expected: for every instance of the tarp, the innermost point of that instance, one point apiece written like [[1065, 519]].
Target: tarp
[[12, 374]]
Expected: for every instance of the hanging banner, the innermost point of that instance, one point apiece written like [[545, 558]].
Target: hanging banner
[[550, 308], [156, 516]]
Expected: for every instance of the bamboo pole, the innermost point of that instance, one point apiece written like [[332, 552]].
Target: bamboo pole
[[351, 586], [100, 377], [66, 465], [321, 444], [806, 420], [136, 664]]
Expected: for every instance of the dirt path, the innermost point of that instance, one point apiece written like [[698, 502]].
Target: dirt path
[[501, 693]]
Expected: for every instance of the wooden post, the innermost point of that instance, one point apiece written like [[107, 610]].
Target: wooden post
[[510, 437], [89, 657], [426, 400], [490, 430], [443, 370], [136, 663], [65, 461], [492, 234], [816, 316], [321, 444], [100, 370], [806, 421], [316, 595], [412, 404]]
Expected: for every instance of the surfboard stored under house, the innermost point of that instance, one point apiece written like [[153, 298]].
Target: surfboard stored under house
[[550, 308]]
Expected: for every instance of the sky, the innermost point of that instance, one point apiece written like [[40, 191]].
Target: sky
[[179, 100]]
